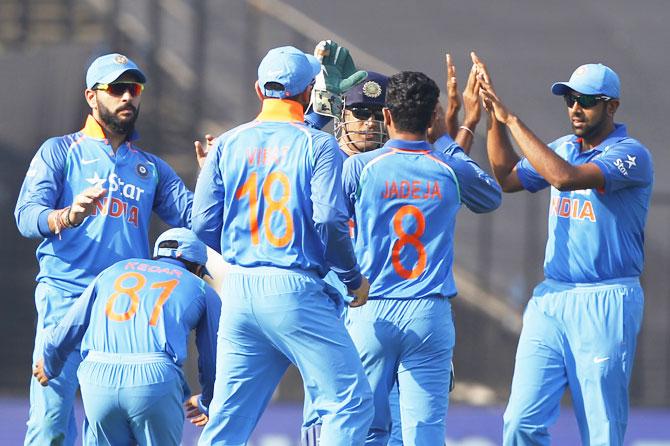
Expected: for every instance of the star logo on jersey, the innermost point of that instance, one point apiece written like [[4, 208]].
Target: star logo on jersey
[[630, 161], [96, 180]]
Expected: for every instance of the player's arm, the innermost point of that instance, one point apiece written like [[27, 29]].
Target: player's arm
[[208, 200], [331, 222], [205, 341], [36, 214], [64, 337], [479, 192], [201, 150], [554, 169], [173, 201]]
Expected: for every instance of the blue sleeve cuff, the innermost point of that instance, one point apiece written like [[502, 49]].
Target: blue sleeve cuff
[[354, 283], [204, 409], [43, 222], [315, 120]]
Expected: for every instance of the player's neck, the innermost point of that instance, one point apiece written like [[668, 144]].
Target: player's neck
[[597, 137], [407, 136]]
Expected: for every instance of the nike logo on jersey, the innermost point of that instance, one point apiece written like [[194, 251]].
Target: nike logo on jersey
[[85, 162], [599, 359]]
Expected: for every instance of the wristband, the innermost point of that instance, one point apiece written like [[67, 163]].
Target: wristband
[[467, 130], [68, 222]]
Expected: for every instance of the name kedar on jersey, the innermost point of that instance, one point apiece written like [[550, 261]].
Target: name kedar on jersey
[[415, 189], [116, 207], [574, 208]]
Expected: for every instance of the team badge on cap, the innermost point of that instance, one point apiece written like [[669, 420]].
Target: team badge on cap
[[372, 89], [121, 59]]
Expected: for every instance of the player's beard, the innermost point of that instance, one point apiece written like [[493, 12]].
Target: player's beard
[[115, 124]]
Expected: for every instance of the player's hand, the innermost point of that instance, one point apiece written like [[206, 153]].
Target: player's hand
[[492, 102], [360, 294], [471, 99], [202, 151], [453, 99], [193, 413], [338, 74], [39, 374], [84, 203]]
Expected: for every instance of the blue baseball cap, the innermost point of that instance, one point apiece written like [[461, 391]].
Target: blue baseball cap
[[287, 66], [370, 92], [591, 78], [108, 68], [186, 246]]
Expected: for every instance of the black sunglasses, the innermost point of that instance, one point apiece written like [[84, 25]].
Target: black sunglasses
[[584, 100], [364, 113], [120, 88]]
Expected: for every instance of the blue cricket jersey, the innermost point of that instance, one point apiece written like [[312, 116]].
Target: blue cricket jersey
[[404, 198], [270, 194], [141, 306], [597, 235], [137, 183]]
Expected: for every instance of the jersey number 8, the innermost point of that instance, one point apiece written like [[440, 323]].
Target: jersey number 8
[[411, 239]]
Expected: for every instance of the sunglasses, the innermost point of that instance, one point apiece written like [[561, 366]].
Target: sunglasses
[[364, 113], [120, 88], [584, 100]]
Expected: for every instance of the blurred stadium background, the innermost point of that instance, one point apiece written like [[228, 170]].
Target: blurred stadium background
[[201, 58]]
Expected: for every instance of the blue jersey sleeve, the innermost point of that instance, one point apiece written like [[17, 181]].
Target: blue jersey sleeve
[[479, 192], [315, 120], [205, 340], [330, 220], [173, 202], [627, 164], [208, 200], [447, 145], [41, 189], [65, 336], [530, 179]]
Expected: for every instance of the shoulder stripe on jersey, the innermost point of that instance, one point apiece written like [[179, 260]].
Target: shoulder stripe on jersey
[[72, 145], [240, 129], [310, 138], [450, 171]]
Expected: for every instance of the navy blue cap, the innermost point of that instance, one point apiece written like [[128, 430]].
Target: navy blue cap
[[290, 67], [592, 79], [372, 91], [108, 68]]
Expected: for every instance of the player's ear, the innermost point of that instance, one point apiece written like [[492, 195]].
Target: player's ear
[[611, 107], [91, 98], [259, 93], [388, 118]]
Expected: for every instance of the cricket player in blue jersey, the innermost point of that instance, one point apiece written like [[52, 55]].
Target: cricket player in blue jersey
[[581, 324], [405, 333], [89, 196], [269, 198], [133, 323]]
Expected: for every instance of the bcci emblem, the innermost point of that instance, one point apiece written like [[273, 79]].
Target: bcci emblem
[[121, 60], [372, 89], [582, 70], [142, 170]]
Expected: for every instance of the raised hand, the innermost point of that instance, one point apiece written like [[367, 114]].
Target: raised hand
[[84, 204], [453, 98], [338, 75], [201, 152]]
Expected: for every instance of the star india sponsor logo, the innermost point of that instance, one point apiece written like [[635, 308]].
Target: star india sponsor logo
[[625, 165]]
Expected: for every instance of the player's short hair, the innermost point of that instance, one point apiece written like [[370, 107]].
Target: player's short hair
[[411, 97], [276, 86]]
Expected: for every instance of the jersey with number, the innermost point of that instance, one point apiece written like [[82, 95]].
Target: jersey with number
[[270, 194], [141, 306], [137, 183], [404, 198], [597, 235]]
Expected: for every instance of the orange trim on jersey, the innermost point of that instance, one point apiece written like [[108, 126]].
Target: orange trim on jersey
[[437, 160], [281, 110], [420, 152], [93, 129]]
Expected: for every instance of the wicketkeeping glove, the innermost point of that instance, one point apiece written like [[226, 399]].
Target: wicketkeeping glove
[[338, 75]]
